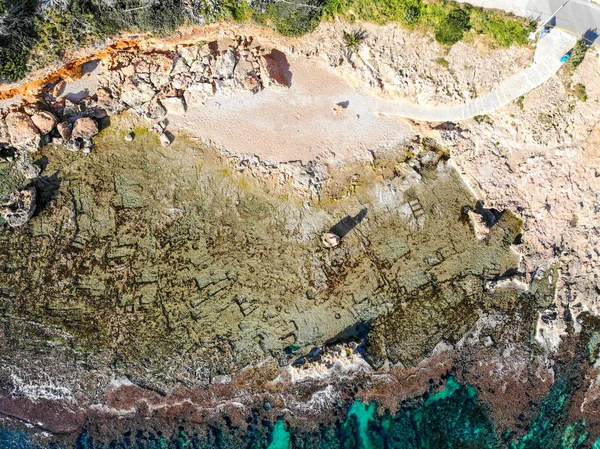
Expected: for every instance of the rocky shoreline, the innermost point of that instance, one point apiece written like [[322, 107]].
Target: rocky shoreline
[[153, 280]]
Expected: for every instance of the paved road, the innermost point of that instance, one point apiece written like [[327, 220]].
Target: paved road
[[546, 63], [580, 17]]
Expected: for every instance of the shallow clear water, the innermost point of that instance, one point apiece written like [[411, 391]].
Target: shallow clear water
[[451, 418]]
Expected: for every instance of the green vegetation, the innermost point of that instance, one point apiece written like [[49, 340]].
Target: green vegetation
[[17, 36], [484, 119], [293, 18], [580, 93], [578, 54], [442, 62], [239, 12], [520, 101], [354, 39], [448, 21], [30, 37], [453, 27]]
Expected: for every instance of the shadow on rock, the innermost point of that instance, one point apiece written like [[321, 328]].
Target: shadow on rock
[[42, 163], [346, 224], [47, 190], [279, 68]]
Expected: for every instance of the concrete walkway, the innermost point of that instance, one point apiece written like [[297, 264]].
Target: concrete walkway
[[550, 49]]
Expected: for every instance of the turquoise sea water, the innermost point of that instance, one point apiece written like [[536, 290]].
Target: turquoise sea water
[[449, 419]]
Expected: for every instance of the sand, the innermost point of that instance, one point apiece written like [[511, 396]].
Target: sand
[[296, 123]]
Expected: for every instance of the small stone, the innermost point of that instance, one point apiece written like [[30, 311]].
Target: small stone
[[165, 140], [98, 113], [58, 88], [87, 146], [129, 137], [24, 135], [84, 128], [174, 105], [341, 106], [29, 171], [65, 130], [19, 207], [44, 121], [330, 240], [72, 145]]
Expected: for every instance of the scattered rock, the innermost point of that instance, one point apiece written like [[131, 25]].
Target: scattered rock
[[174, 105], [44, 121], [19, 207], [341, 106], [330, 240], [64, 129], [70, 109], [58, 88], [87, 146], [165, 139], [28, 170], [197, 94], [98, 113], [137, 93], [72, 145], [275, 69], [225, 65], [84, 128], [23, 133]]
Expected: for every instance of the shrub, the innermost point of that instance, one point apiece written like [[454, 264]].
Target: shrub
[[412, 14], [453, 27], [483, 119], [17, 37], [354, 39], [294, 19], [520, 101], [442, 62], [501, 30], [239, 12], [580, 92], [578, 53]]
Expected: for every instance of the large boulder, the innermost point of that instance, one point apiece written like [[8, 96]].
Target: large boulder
[[275, 69], [245, 76], [137, 93], [23, 133], [65, 129], [197, 94], [4, 136], [225, 65], [44, 121], [84, 128], [19, 206], [173, 105]]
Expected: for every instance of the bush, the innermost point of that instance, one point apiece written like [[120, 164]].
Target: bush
[[453, 27], [240, 12], [580, 92], [294, 19], [578, 53], [483, 119], [29, 37], [354, 39], [412, 14], [17, 37], [442, 62], [500, 29]]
